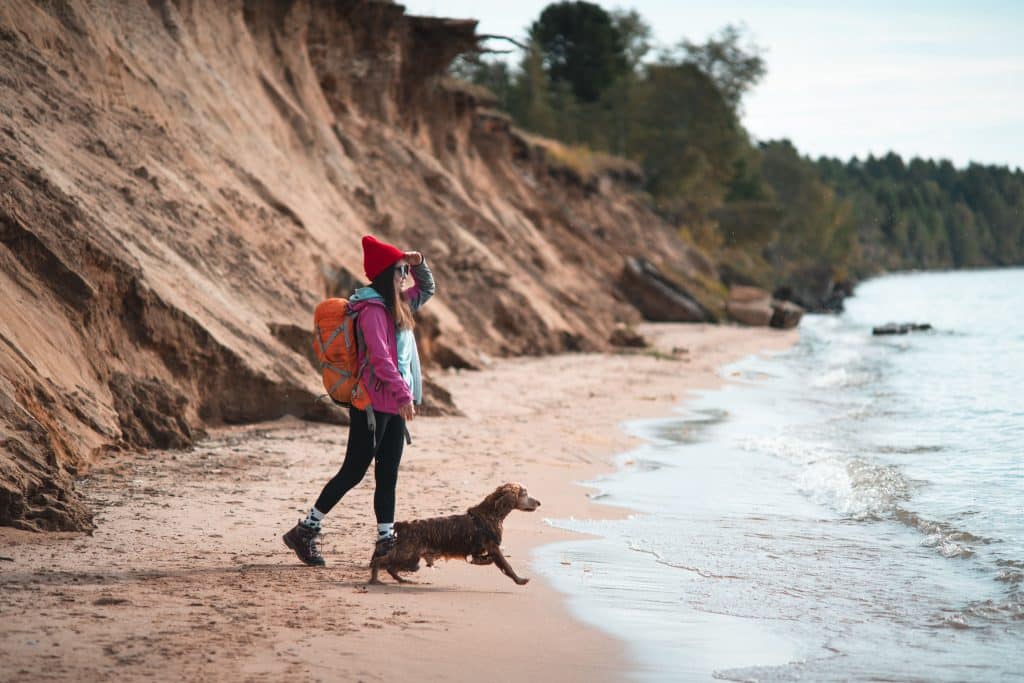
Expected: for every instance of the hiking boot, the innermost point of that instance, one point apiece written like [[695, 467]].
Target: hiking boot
[[305, 541], [384, 545]]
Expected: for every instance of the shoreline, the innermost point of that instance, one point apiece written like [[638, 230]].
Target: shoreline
[[186, 575]]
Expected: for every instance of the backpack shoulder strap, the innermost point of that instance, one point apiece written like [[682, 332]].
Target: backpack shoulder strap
[[360, 343]]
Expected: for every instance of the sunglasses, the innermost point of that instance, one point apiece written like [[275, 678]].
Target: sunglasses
[[403, 270]]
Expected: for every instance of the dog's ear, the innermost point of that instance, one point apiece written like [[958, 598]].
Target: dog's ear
[[500, 502], [509, 497]]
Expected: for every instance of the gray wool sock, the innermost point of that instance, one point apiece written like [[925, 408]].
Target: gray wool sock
[[313, 519]]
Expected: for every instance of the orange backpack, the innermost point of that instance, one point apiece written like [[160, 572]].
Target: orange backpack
[[336, 341]]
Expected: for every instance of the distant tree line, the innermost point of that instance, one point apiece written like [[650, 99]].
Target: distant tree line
[[594, 78], [929, 214]]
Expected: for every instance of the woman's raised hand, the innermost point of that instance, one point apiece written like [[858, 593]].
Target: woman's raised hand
[[413, 258]]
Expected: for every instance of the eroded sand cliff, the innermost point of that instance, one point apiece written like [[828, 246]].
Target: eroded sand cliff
[[181, 182]]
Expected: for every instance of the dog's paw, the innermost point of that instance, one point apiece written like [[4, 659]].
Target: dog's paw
[[521, 582]]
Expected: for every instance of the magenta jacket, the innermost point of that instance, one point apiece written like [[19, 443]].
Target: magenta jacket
[[384, 383]]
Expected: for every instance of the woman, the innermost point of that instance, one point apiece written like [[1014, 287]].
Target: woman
[[393, 383]]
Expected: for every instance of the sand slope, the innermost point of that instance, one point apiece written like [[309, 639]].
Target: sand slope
[[181, 183]]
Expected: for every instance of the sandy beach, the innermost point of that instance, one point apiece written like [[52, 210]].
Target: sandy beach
[[186, 577]]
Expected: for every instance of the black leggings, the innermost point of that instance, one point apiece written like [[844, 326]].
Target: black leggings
[[359, 453]]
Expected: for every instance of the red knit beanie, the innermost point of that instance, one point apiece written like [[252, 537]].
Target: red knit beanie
[[377, 256]]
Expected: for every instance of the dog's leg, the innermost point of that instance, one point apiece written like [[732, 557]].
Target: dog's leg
[[374, 569], [494, 551], [394, 574]]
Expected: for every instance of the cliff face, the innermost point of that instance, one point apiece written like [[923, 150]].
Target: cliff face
[[181, 182]]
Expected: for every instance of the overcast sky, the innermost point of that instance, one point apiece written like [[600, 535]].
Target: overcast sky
[[938, 79]]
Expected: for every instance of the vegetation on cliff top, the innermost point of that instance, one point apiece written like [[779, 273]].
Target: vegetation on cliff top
[[593, 80]]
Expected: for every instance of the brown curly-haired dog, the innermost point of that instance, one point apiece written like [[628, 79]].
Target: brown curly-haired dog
[[475, 535]]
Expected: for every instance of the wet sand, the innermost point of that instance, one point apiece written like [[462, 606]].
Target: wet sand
[[186, 577]]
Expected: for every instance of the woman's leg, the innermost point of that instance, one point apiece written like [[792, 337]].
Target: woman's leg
[[358, 455], [385, 470]]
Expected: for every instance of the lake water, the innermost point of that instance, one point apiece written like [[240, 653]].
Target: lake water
[[850, 509]]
